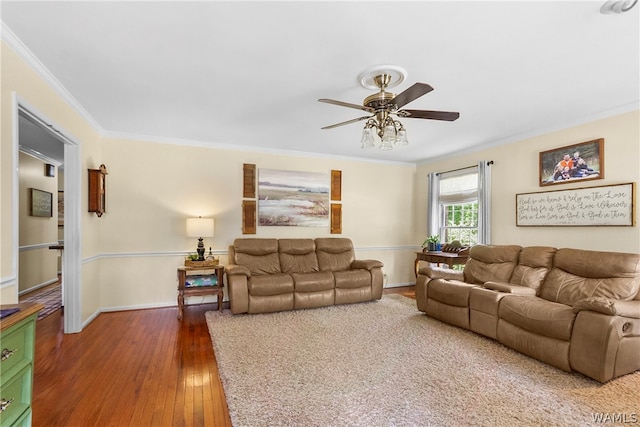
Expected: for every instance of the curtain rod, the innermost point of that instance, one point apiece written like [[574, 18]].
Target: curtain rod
[[489, 163]]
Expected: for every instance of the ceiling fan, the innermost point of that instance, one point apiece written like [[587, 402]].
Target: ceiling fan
[[382, 105]]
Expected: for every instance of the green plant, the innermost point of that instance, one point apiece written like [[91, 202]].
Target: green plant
[[193, 257], [431, 239]]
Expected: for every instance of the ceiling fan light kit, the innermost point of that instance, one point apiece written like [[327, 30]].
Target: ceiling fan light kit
[[383, 105]]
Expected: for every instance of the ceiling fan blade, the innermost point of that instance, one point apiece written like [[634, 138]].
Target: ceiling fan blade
[[347, 104], [346, 123], [413, 92], [448, 116]]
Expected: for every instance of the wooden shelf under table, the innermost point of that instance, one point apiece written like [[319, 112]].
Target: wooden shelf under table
[[186, 291]]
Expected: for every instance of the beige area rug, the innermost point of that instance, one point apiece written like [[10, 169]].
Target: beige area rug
[[384, 363]]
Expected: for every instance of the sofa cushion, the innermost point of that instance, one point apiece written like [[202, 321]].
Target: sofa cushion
[[260, 256], [488, 262], [334, 253], [313, 282], [538, 316], [270, 304], [314, 299], [485, 300], [578, 274], [534, 263], [450, 292], [352, 279], [510, 288], [453, 315], [297, 255], [350, 296], [271, 284]]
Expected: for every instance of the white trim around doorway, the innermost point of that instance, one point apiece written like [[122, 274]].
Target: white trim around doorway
[[71, 262]]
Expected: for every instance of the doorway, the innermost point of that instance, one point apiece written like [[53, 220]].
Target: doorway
[[55, 144], [41, 167]]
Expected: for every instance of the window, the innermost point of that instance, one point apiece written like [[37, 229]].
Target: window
[[459, 208], [460, 223]]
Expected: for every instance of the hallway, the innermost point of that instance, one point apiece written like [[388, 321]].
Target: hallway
[[50, 296]]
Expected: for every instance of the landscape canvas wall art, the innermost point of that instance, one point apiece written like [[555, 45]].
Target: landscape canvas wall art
[[292, 198]]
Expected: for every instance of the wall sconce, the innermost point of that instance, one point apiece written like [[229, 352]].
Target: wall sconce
[[200, 228]]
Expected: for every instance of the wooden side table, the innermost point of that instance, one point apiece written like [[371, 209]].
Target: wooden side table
[[449, 258], [200, 281]]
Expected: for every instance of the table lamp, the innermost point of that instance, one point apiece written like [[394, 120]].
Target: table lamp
[[200, 228]]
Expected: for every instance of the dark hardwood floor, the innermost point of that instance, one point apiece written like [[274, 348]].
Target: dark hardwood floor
[[131, 368]]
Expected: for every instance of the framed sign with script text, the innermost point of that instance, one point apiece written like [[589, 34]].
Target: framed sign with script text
[[606, 205]]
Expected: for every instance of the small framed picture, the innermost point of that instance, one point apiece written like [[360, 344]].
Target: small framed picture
[[578, 162], [41, 203]]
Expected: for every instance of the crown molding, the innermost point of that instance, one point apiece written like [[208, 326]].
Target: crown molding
[[601, 115], [245, 148], [16, 45], [19, 48], [38, 155]]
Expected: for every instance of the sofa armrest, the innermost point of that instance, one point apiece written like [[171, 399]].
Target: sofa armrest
[[235, 269], [604, 347], [238, 288], [441, 273], [510, 288], [609, 306], [366, 264]]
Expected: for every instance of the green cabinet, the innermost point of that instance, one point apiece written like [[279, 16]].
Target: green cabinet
[[17, 344]]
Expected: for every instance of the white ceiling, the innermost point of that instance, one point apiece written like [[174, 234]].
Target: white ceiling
[[249, 74]]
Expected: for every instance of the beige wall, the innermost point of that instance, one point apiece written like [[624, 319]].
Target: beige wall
[[515, 170], [130, 255], [18, 79], [152, 188], [37, 263]]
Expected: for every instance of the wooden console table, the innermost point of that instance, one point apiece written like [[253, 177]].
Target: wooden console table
[[200, 281], [448, 258]]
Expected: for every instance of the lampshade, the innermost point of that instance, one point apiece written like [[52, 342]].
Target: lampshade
[[200, 227], [367, 140], [402, 137]]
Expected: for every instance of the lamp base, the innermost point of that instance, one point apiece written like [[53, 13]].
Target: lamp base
[[200, 249]]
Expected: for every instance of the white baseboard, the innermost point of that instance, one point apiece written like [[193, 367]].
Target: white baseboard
[[89, 320], [138, 307], [36, 287], [399, 285]]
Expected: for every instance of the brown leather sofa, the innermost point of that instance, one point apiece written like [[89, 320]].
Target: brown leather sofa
[[573, 309], [267, 275]]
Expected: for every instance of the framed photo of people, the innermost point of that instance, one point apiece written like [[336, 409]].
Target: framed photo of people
[[578, 162]]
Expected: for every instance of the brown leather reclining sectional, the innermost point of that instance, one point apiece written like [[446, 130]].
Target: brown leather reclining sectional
[[267, 275], [573, 309]]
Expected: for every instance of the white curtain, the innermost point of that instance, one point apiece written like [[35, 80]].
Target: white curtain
[[484, 202], [482, 194], [433, 208]]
